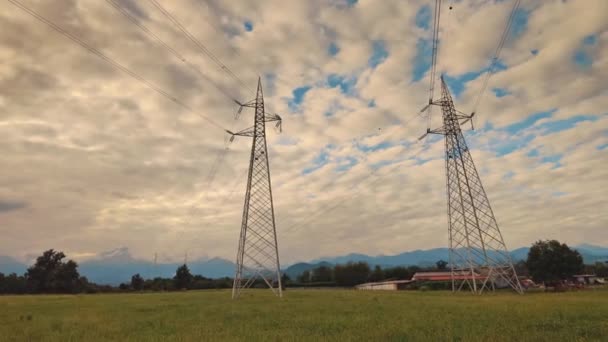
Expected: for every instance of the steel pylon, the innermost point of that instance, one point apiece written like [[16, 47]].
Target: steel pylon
[[258, 256], [479, 259]]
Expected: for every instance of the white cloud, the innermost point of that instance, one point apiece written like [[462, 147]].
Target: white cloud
[[102, 161]]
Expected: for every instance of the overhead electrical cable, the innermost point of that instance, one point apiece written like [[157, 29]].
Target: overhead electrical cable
[[199, 44], [495, 59], [111, 61], [435, 48], [163, 44]]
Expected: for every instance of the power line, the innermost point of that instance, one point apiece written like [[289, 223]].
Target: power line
[[494, 61], [163, 44], [435, 48], [111, 61], [230, 46], [199, 44]]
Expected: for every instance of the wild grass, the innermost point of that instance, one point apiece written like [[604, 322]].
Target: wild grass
[[314, 315]]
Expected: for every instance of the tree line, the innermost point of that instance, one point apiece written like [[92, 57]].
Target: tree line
[[51, 273], [549, 262], [354, 273]]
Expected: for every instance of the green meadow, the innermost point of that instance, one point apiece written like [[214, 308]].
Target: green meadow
[[313, 315]]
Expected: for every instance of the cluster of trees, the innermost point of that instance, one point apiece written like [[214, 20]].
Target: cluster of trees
[[548, 262], [552, 262], [183, 280], [52, 274], [354, 273], [49, 274]]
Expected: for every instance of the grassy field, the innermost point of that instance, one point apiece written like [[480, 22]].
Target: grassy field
[[314, 315]]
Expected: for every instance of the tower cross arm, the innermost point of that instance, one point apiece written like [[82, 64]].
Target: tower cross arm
[[249, 104], [276, 118], [440, 130], [247, 132]]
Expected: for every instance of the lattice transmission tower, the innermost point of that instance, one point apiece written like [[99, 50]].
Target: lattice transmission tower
[[258, 256], [478, 257]]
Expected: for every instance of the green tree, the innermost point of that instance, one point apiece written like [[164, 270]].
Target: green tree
[[600, 269], [441, 264], [304, 277], [183, 277], [399, 273], [377, 274], [521, 268], [12, 284], [137, 282], [552, 261], [351, 274], [322, 274], [51, 274]]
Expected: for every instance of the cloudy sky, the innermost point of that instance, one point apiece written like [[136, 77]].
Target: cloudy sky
[[94, 158]]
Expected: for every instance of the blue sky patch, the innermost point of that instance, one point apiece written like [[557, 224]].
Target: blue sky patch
[[379, 53], [582, 59], [248, 25], [318, 162], [382, 163], [457, 83], [499, 65], [553, 159], [346, 164], [508, 175], [590, 39], [528, 122], [562, 125], [520, 22], [422, 60], [380, 146], [500, 92], [351, 2], [333, 49], [602, 147], [345, 84], [423, 17], [533, 153], [298, 96], [513, 145]]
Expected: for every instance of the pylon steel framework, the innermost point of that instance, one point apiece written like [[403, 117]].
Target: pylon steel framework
[[478, 257], [258, 255]]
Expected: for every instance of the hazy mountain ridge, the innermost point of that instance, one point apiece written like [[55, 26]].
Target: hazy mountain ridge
[[9, 265], [118, 265], [429, 257]]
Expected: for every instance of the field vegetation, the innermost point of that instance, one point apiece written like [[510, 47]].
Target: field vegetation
[[335, 315]]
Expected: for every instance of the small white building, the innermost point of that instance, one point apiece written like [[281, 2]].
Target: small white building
[[588, 279], [390, 285]]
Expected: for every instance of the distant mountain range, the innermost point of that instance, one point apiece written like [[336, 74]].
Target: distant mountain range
[[116, 266], [429, 257]]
